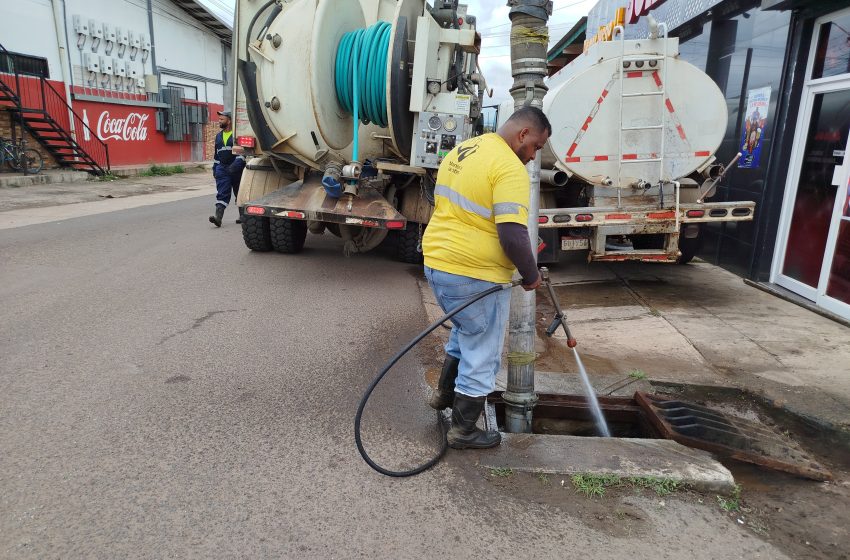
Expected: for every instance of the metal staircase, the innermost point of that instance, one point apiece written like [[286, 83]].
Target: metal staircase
[[43, 111]]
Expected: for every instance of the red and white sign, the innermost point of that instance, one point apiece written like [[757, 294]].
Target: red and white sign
[[638, 8], [130, 128], [130, 133]]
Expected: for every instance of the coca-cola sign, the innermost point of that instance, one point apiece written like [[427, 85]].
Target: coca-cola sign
[[131, 128]]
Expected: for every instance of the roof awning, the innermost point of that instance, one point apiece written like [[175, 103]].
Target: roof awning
[[207, 19], [569, 47]]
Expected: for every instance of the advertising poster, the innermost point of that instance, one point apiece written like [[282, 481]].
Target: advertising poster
[[755, 118]]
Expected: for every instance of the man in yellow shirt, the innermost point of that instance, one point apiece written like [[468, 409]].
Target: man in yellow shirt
[[475, 240]]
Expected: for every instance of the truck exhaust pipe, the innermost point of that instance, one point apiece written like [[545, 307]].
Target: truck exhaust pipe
[[554, 177]]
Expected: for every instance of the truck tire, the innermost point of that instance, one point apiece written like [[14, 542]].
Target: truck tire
[[255, 233], [287, 235], [407, 248], [689, 247]]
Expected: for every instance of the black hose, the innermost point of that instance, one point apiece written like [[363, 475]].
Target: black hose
[[359, 416], [259, 12]]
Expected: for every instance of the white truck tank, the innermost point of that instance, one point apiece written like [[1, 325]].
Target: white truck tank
[[671, 116], [296, 76]]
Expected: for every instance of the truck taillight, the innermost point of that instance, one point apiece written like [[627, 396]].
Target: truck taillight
[[543, 220], [293, 214], [395, 224], [695, 213], [255, 210], [584, 218], [246, 141]]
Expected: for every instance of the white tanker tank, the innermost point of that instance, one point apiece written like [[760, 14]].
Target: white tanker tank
[[631, 113]]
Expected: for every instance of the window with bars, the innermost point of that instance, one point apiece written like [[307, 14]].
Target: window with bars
[[24, 64]]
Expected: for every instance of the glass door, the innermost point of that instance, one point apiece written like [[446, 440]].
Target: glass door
[[813, 251]]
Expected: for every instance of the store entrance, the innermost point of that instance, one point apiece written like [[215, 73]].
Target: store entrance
[[813, 256]]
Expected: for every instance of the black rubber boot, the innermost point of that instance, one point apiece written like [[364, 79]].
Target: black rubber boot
[[444, 394], [464, 434], [219, 215]]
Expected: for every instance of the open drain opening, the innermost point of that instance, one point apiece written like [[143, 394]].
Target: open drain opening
[[570, 415], [656, 417]]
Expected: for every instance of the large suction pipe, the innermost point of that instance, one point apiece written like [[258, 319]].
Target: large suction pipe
[[529, 41]]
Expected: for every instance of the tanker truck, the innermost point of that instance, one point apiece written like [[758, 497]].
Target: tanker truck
[[627, 171]]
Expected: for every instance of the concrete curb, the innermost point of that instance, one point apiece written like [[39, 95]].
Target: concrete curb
[[137, 170], [623, 457], [48, 177]]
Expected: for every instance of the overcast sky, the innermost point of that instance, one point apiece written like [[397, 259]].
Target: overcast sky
[[494, 26]]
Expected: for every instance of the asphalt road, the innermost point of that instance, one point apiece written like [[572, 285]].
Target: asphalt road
[[165, 393]]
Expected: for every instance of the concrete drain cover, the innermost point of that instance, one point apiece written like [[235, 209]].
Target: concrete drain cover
[[703, 428]]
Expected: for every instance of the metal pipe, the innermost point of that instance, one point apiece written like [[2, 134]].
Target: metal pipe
[[554, 177], [529, 41]]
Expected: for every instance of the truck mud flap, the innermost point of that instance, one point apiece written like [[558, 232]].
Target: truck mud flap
[[307, 200]]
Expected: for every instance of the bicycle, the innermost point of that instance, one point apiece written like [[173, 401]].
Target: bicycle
[[19, 157]]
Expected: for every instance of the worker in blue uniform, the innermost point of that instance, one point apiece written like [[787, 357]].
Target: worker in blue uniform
[[227, 168]]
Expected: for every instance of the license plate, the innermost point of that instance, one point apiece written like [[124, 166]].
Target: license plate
[[574, 243]]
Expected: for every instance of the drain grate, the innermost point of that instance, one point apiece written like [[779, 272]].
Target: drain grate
[[711, 430]]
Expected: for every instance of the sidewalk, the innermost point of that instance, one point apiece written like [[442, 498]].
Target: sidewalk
[[36, 204], [694, 325]]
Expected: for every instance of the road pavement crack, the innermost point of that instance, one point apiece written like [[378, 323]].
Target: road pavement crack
[[198, 322]]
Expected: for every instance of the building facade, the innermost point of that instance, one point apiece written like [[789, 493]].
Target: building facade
[[784, 68], [144, 77]]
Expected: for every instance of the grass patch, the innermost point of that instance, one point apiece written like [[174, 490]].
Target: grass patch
[[731, 503], [595, 484], [661, 486], [543, 478], [162, 170], [637, 374], [107, 177], [502, 472]]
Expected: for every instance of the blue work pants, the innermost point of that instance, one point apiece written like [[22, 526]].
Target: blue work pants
[[227, 179], [478, 332]]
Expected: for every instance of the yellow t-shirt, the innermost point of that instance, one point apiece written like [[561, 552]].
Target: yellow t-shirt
[[481, 183]]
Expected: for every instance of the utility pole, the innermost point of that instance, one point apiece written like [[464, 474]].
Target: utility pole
[[529, 43]]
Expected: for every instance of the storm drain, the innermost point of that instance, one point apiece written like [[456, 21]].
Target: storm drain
[[656, 417], [726, 436]]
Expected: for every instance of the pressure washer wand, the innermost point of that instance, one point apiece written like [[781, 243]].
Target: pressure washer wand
[[560, 319]]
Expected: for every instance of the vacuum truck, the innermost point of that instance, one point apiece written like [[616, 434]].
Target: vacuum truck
[[346, 108]]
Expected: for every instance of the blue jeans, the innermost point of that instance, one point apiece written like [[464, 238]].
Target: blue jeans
[[478, 332]]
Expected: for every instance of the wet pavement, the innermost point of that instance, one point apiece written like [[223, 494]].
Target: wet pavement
[[166, 393]]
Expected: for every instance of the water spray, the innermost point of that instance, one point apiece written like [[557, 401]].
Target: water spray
[[560, 320]]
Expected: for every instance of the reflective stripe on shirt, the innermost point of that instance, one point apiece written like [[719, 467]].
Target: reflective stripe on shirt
[[459, 200], [508, 208]]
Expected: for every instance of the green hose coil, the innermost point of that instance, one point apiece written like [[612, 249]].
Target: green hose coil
[[361, 75]]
